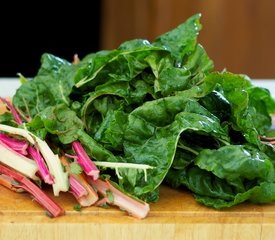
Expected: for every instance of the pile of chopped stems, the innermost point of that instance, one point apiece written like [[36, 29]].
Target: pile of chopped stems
[[27, 163]]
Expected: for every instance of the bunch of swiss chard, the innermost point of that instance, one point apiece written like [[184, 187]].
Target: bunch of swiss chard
[[152, 113]]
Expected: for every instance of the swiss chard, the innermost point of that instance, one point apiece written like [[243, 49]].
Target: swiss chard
[[51, 85], [19, 181], [156, 105], [228, 176]]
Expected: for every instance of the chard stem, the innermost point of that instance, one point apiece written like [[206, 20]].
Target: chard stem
[[23, 182], [61, 182], [91, 197], [19, 146], [180, 145], [17, 131], [43, 170], [117, 165], [77, 189], [18, 162], [132, 206], [84, 161], [13, 111]]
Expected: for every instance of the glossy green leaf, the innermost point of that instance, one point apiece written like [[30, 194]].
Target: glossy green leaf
[[52, 85]]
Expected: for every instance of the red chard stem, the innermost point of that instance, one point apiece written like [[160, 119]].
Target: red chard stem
[[42, 198], [76, 188], [13, 111], [19, 146], [84, 161], [42, 168]]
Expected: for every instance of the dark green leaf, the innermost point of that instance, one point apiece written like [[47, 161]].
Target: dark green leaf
[[181, 40], [237, 163], [51, 86], [58, 120], [156, 146]]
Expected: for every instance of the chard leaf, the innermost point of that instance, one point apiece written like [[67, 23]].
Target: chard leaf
[[200, 182], [172, 79], [111, 131], [110, 196], [217, 104], [77, 207], [228, 176], [156, 146], [182, 39], [263, 104], [94, 149], [250, 106], [121, 89], [91, 65], [237, 164], [215, 192], [52, 85], [121, 64], [6, 118], [76, 168], [198, 62], [158, 104], [262, 193], [59, 120]]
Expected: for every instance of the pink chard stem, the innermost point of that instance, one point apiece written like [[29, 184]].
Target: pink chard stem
[[76, 188], [77, 183], [92, 196], [43, 170], [134, 207], [20, 181], [19, 146], [13, 111], [84, 161]]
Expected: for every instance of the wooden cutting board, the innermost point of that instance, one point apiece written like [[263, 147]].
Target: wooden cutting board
[[175, 216]]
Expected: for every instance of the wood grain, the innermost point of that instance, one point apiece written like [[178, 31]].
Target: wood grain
[[175, 216], [237, 35]]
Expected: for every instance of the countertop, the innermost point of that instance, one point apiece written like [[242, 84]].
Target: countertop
[[175, 216]]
